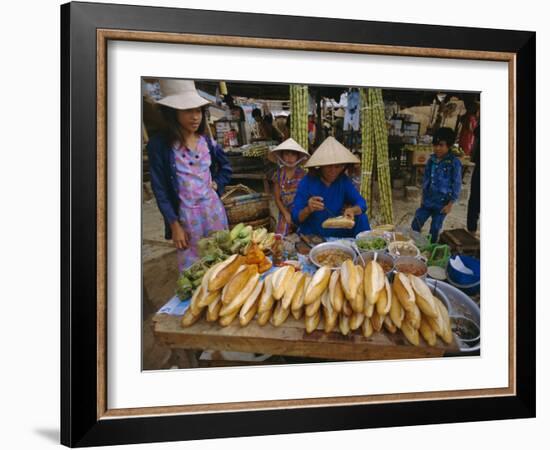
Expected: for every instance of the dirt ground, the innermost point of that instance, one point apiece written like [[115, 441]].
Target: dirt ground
[[160, 267]]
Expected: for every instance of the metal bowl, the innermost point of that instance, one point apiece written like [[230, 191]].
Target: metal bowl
[[412, 261], [383, 258], [397, 248], [321, 248], [369, 238], [461, 325]]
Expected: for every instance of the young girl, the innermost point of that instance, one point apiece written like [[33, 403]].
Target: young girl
[[188, 171], [288, 156]]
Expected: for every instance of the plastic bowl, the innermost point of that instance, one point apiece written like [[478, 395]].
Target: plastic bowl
[[462, 279], [468, 289]]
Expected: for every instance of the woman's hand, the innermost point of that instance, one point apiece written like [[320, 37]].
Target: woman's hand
[[179, 236], [349, 213], [315, 204]]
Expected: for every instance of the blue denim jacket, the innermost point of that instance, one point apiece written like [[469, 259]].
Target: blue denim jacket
[[442, 181], [162, 167]]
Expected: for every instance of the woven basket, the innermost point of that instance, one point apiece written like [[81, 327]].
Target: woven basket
[[251, 206], [266, 222]]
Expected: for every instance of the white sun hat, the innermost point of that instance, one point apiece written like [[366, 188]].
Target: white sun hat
[[289, 144], [331, 152], [180, 94]]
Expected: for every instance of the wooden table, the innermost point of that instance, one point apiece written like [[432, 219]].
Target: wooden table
[[291, 339]]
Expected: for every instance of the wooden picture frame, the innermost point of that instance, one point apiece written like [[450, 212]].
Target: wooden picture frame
[[85, 30]]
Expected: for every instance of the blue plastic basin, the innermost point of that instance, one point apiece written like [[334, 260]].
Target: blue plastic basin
[[463, 279]]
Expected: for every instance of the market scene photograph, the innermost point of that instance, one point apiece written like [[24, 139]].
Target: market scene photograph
[[293, 223]]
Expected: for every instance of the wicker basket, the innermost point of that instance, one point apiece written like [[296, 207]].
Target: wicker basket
[[252, 206]]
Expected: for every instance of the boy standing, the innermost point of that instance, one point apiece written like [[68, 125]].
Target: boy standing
[[441, 184]]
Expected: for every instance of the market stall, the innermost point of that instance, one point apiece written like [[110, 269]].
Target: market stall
[[338, 300]]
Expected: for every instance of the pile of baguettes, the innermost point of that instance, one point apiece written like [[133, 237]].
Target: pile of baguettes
[[350, 298]]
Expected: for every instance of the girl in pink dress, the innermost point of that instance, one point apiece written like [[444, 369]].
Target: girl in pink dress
[[288, 155], [188, 171]]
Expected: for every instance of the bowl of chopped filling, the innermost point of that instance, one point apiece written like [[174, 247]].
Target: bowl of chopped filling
[[403, 248], [371, 243], [331, 254], [382, 258], [465, 329], [412, 265]]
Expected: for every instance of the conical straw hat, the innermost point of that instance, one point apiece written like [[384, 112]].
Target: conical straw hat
[[180, 94], [289, 144], [331, 152]]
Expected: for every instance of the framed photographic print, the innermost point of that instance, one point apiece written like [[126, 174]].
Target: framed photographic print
[[279, 224]]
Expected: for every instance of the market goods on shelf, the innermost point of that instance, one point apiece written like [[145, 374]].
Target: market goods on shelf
[[344, 301]]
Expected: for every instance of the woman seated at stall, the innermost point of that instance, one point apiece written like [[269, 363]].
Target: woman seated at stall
[[327, 192]]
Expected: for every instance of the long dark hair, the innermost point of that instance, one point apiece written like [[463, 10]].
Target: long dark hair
[[172, 128]]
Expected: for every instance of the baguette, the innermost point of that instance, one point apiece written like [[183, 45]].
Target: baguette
[[343, 323], [264, 317], [242, 296], [377, 320], [266, 299], [413, 316], [281, 281], [225, 321], [338, 222], [348, 279], [189, 318], [312, 322], [410, 333], [298, 300], [245, 318], [358, 303], [424, 297], [356, 320], [224, 271], [279, 315], [208, 297], [397, 313], [403, 289], [251, 300], [317, 285], [389, 325], [194, 303], [312, 308], [373, 281], [336, 292], [367, 328], [294, 288], [427, 332], [236, 284], [213, 310]]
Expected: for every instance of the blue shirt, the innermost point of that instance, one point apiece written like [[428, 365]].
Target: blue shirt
[[442, 180], [341, 192]]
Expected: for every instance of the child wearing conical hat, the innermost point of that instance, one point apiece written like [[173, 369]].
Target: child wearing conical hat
[[288, 155]]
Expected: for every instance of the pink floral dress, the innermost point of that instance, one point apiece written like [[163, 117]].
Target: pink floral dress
[[288, 187], [201, 210]]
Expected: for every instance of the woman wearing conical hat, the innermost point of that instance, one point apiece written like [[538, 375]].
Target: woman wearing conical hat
[[289, 156], [188, 170], [327, 192]]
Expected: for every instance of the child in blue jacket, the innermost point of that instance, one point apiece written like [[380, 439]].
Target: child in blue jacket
[[441, 184]]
